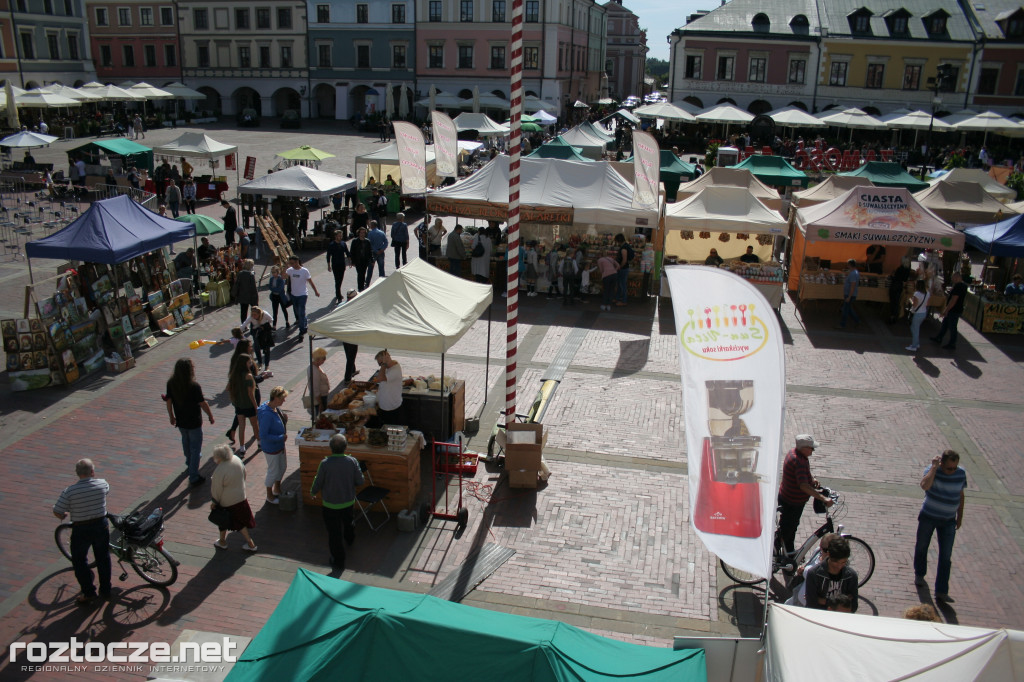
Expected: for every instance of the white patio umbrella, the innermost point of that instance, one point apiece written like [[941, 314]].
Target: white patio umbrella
[[26, 139], [688, 108], [476, 99], [794, 117], [664, 110], [894, 114], [725, 113], [182, 91], [853, 118], [403, 101], [12, 106], [111, 93], [150, 92], [44, 100], [444, 100], [544, 118], [389, 102], [958, 116], [988, 121], [917, 121], [532, 103], [65, 91]]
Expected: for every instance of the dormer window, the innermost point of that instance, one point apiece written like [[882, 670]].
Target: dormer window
[[898, 22], [935, 23], [800, 25], [761, 23], [1011, 23], [860, 21]]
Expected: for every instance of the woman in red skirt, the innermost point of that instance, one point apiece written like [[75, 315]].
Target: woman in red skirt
[[227, 489]]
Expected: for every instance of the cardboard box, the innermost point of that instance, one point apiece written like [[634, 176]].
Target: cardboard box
[[524, 446], [521, 478]]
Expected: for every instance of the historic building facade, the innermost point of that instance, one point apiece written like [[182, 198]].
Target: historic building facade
[[626, 63]]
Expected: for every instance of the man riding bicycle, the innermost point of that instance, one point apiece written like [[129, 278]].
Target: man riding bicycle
[[797, 486]]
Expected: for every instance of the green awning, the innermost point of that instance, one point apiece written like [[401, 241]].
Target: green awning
[[888, 174], [673, 172], [141, 156], [328, 629], [774, 170]]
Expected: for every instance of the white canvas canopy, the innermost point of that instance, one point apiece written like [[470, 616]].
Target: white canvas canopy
[[593, 146], [384, 162], [991, 185], [861, 647], [550, 191], [724, 209], [196, 145], [963, 202], [732, 177], [877, 215], [298, 181], [482, 123], [417, 307], [834, 186]]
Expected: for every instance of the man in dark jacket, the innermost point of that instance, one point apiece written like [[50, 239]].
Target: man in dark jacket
[[832, 577], [230, 222], [361, 252], [336, 481], [337, 252]]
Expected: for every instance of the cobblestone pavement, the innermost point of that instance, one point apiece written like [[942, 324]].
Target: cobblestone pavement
[[604, 544]]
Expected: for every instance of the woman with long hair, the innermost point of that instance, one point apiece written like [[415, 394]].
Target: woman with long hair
[[242, 389], [185, 405]]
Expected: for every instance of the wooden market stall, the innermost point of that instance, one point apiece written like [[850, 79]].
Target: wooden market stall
[[727, 219], [826, 235], [417, 308], [987, 307]]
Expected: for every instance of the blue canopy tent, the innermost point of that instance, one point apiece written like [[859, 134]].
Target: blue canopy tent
[[112, 231], [1005, 238]]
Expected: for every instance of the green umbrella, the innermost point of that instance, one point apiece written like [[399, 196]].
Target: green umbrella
[[526, 118], [204, 223], [305, 153], [527, 126]]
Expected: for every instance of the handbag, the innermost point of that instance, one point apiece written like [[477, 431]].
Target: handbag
[[478, 249], [220, 516]]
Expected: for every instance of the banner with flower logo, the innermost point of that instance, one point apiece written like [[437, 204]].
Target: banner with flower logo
[[733, 371]]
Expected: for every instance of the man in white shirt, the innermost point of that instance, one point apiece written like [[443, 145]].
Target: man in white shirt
[[389, 391], [298, 278]]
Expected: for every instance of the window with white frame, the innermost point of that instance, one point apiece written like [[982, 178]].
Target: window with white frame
[[497, 56], [200, 19], [397, 14], [757, 70], [531, 57], [465, 57], [242, 18], [876, 76], [124, 16], [912, 77], [398, 57], [170, 55], [726, 67], [435, 56], [73, 46], [694, 66], [466, 10], [105, 58], [167, 16], [498, 11], [797, 71], [264, 56], [434, 10], [53, 45], [145, 16], [323, 55], [323, 14], [149, 55], [203, 56], [363, 56], [362, 13], [244, 56], [127, 55], [837, 73], [286, 56], [101, 16]]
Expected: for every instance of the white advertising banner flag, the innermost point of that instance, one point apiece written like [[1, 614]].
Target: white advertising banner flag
[[446, 145], [646, 170], [732, 366], [412, 157]]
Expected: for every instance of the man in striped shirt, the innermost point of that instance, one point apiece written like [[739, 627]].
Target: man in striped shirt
[[942, 513], [797, 486], [87, 503]]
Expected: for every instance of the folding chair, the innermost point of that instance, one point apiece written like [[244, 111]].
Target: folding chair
[[371, 495]]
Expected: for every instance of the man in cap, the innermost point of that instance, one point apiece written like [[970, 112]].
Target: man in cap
[[797, 485]]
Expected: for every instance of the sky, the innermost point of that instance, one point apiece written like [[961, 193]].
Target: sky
[[661, 17]]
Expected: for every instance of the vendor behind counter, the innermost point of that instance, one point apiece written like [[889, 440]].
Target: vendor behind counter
[[389, 391]]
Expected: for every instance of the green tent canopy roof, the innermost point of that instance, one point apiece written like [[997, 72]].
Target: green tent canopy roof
[[774, 170], [325, 628], [559, 149], [673, 172], [887, 174], [141, 156]]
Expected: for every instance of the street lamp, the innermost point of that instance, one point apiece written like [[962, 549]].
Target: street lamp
[[943, 81]]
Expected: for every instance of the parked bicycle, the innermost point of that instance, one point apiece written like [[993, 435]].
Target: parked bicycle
[[137, 540], [862, 558]]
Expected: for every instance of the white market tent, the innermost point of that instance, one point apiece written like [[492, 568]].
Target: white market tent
[[834, 186], [732, 177], [482, 123], [298, 181], [384, 162], [877, 648], [195, 145], [1001, 192], [963, 203], [666, 111], [418, 307], [844, 227], [555, 191], [593, 146], [717, 210]]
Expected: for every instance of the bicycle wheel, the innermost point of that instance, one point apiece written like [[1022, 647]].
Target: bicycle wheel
[[154, 565], [62, 536], [738, 576], [862, 559]]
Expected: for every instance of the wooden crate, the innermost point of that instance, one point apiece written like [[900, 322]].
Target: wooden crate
[[397, 471]]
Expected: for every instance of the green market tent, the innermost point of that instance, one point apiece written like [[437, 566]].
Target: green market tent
[[328, 629], [673, 171], [139, 156], [558, 148], [774, 170], [887, 174]]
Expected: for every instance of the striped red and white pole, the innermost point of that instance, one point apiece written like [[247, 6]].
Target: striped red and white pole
[[515, 147]]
